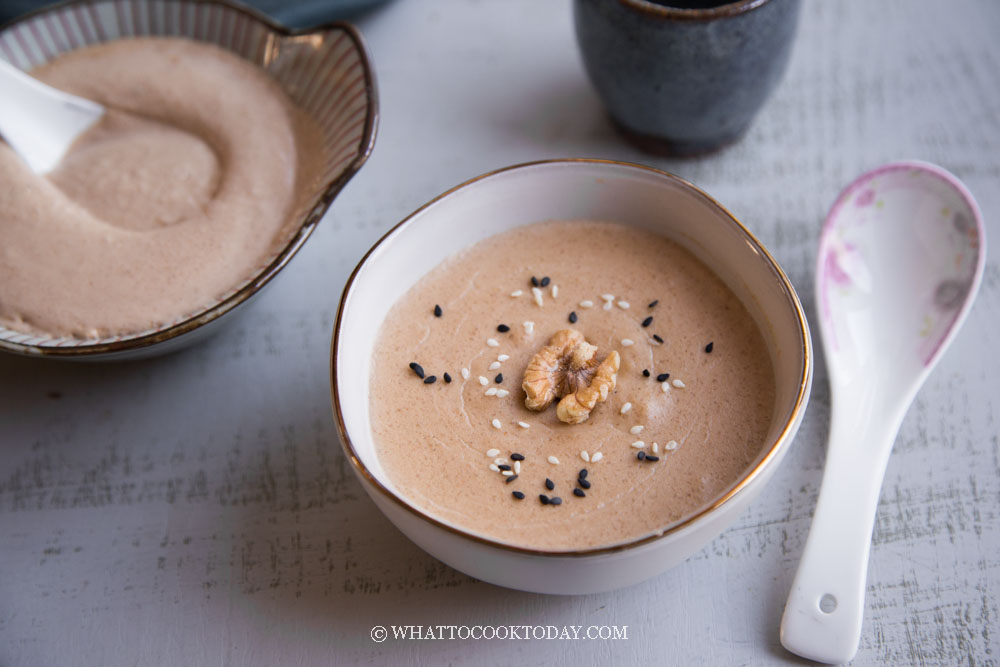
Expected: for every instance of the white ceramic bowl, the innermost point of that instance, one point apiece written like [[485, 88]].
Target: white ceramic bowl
[[326, 71], [566, 189]]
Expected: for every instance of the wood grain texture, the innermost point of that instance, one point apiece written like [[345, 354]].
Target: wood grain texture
[[197, 509]]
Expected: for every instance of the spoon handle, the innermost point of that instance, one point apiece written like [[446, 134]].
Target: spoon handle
[[822, 619], [38, 121]]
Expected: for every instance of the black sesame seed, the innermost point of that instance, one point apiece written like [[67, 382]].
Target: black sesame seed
[[511, 478], [417, 368], [646, 322], [516, 457], [556, 501], [447, 378], [583, 473], [544, 498], [572, 317], [709, 347], [549, 484], [645, 372], [499, 378], [662, 377], [641, 456], [652, 459], [430, 379], [503, 328], [437, 311], [545, 281], [534, 281], [652, 304], [517, 494], [584, 483], [579, 493], [657, 338], [504, 466]]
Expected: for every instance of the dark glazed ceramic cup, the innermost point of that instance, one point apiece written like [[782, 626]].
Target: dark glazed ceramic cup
[[682, 81]]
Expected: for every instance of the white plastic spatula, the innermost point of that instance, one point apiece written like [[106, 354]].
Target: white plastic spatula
[[900, 259], [39, 122]]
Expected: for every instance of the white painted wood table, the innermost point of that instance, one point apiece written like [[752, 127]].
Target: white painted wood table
[[197, 509]]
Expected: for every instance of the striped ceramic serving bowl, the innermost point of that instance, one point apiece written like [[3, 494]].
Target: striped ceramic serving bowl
[[326, 71]]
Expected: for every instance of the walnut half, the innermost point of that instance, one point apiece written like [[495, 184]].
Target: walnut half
[[567, 368]]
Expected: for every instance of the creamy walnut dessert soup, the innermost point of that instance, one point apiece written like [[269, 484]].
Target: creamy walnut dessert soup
[[185, 187], [569, 384]]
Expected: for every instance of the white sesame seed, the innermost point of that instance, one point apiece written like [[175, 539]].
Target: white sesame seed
[[492, 342], [507, 473], [494, 467], [624, 305], [607, 305], [503, 357], [483, 381], [665, 386], [499, 460], [637, 429], [496, 423], [524, 424], [492, 452], [625, 408], [670, 446], [465, 373], [537, 294], [608, 297], [495, 365], [553, 460], [638, 444], [585, 456], [656, 448], [492, 391], [516, 293], [587, 304], [627, 342], [555, 291], [596, 456], [501, 393], [679, 384], [529, 327], [517, 467]]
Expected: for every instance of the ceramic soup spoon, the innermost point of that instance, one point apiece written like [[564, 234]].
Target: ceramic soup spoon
[[900, 259], [39, 122]]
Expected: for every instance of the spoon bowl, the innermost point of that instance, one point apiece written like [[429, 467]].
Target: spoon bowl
[[900, 260]]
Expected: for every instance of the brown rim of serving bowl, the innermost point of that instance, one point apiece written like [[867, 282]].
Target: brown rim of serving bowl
[[748, 477], [723, 10], [298, 238]]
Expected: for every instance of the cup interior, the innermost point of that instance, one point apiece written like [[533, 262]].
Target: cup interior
[[563, 190]]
